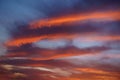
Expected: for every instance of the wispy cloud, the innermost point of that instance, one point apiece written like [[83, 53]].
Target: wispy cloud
[[59, 40]]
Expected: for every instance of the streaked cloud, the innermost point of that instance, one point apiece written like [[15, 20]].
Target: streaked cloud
[[59, 40]]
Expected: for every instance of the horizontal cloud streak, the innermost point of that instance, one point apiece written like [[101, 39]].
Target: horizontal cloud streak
[[59, 40], [73, 18], [17, 42]]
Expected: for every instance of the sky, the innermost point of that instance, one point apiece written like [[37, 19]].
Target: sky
[[59, 39]]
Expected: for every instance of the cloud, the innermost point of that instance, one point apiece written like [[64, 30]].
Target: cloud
[[51, 44], [47, 54], [21, 41], [69, 40], [76, 17], [29, 36]]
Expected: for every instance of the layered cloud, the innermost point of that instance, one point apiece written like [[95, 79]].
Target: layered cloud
[[75, 17], [59, 40]]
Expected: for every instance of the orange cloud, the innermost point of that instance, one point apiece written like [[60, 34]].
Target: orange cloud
[[91, 77], [57, 54], [91, 70], [20, 41], [93, 74], [52, 73], [46, 54], [76, 17]]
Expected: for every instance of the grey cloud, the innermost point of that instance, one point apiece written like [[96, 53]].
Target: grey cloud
[[51, 44]]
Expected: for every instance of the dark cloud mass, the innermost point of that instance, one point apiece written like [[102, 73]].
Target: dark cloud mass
[[59, 39]]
